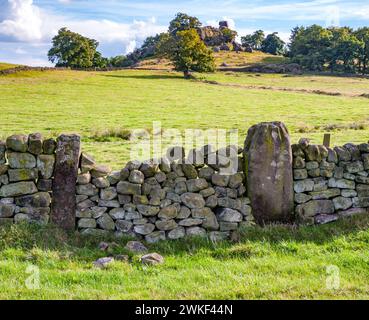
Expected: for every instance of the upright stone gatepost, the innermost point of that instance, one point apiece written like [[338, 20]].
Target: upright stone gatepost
[[269, 174], [65, 178]]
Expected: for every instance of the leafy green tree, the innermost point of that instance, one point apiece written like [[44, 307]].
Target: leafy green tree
[[182, 22], [273, 44], [362, 35], [309, 47], [71, 49], [188, 53], [254, 40]]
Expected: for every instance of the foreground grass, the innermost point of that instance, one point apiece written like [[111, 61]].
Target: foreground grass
[[278, 262], [88, 102]]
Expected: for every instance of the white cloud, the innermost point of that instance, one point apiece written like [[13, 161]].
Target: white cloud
[[23, 21]]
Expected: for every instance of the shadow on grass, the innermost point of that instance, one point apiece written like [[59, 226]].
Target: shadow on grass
[[254, 241], [145, 76]]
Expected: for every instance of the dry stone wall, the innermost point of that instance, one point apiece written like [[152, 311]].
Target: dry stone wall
[[158, 200], [26, 172], [330, 183]]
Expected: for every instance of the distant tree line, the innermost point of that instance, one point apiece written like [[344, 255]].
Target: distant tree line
[[335, 49]]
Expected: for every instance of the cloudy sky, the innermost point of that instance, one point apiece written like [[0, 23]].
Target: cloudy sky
[[27, 26]]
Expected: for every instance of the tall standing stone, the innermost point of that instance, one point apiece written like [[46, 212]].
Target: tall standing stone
[[268, 168], [65, 178]]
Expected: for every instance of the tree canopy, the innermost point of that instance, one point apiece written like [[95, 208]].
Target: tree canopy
[[70, 49], [182, 22], [273, 44]]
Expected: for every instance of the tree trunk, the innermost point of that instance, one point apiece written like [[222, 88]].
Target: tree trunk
[[187, 74]]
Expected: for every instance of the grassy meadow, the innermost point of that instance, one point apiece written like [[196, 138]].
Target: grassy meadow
[[103, 106], [278, 262]]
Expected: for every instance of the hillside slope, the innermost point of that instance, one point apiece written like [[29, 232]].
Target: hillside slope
[[223, 59], [4, 66]]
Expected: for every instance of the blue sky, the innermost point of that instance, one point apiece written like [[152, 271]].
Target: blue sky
[[27, 26]]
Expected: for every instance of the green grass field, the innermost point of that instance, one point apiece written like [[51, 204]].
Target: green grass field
[[272, 263], [277, 262], [90, 103]]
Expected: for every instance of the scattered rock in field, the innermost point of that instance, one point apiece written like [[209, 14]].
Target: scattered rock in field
[[136, 247], [103, 263], [152, 259]]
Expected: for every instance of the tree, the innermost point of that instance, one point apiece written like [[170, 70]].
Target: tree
[[273, 44], [228, 35], [188, 53], [71, 49], [362, 35], [309, 47], [254, 40], [182, 22]]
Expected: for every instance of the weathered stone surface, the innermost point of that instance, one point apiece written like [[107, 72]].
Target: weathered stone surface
[[347, 193], [3, 169], [315, 207], [341, 203], [136, 177], [85, 223], [87, 162], [101, 182], [35, 143], [108, 194], [304, 186], [45, 164], [212, 201], [109, 203], [341, 183], [193, 200], [94, 232], [148, 211], [343, 154], [301, 198], [229, 215], [138, 199], [196, 185], [144, 229], [100, 171], [210, 221], [65, 178], [220, 180], [206, 173], [124, 226], [354, 167], [189, 171], [177, 233], [18, 189], [168, 213], [207, 192], [326, 194], [149, 168], [196, 232], [190, 222], [105, 222], [363, 180], [127, 188], [326, 218], [87, 190], [311, 165], [180, 187], [37, 200], [300, 174], [49, 146], [184, 213], [160, 177], [152, 259], [299, 163], [228, 226], [103, 263], [84, 178], [16, 175], [6, 210], [17, 143], [136, 247], [155, 237], [268, 168], [353, 212], [21, 160], [2, 152], [166, 225], [117, 213], [361, 202]]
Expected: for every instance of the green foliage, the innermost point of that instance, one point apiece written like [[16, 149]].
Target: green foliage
[[337, 49], [254, 40], [228, 34], [72, 50], [183, 22], [273, 44], [188, 53]]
